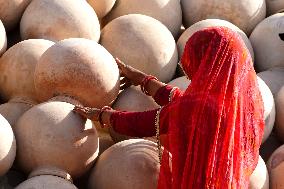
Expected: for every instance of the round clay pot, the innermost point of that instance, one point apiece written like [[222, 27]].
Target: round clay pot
[[60, 19], [273, 78], [158, 9], [101, 7], [259, 178], [274, 6], [275, 168], [7, 146], [210, 23], [267, 40], [48, 177], [3, 39], [126, 165], [143, 43], [11, 12], [79, 68], [279, 122], [17, 67], [53, 135], [243, 13]]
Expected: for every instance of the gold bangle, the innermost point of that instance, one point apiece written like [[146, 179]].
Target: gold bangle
[[157, 124]]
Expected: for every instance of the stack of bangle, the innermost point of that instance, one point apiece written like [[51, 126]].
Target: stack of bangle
[[144, 83], [101, 113]]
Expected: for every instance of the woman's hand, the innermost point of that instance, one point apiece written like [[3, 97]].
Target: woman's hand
[[130, 75], [88, 113]]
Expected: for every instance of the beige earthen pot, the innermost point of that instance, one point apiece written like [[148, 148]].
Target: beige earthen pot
[[51, 134], [158, 9], [143, 43], [267, 42], [259, 178], [273, 78], [79, 68], [101, 7], [132, 99], [269, 108], [274, 6], [11, 12], [17, 67], [14, 109], [48, 177], [60, 19], [7, 146], [3, 39], [279, 122], [275, 168], [126, 165], [243, 13], [210, 23]]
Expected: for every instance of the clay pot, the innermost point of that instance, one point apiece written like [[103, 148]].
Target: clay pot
[[3, 39], [17, 67], [244, 14], [267, 41], [274, 6], [132, 99], [48, 177], [210, 23], [279, 122], [79, 68], [126, 165], [273, 78], [275, 168], [60, 19], [11, 12], [7, 146], [158, 9], [269, 108], [143, 43], [101, 7], [53, 135], [259, 178], [14, 109]]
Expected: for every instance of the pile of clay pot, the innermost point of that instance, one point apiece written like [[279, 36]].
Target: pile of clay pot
[[55, 54]]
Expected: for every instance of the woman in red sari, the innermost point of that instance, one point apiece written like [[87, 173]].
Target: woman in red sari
[[214, 129]]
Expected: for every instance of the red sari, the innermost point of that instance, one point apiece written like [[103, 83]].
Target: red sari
[[214, 129]]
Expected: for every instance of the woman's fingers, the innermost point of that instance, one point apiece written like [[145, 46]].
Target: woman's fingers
[[81, 111], [89, 113], [120, 64]]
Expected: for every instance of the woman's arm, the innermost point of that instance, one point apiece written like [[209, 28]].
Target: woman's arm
[[138, 124], [162, 93]]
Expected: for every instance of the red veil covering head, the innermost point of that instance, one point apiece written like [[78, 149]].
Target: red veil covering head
[[216, 127]]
